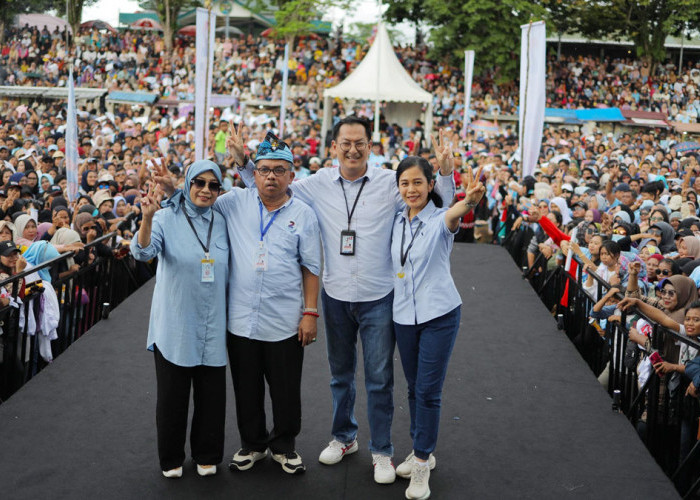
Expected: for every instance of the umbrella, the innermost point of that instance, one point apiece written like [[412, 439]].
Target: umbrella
[[484, 126], [190, 30], [268, 32], [232, 30], [98, 25], [682, 147], [147, 24]]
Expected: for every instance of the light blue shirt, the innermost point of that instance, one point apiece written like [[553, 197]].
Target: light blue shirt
[[427, 290], [188, 317], [268, 305], [367, 275]]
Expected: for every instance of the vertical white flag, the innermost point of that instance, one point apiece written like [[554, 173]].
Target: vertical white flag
[[468, 76], [71, 139], [533, 68], [206, 22]]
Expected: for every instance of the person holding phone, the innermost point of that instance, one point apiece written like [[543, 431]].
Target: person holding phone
[[187, 328], [427, 305]]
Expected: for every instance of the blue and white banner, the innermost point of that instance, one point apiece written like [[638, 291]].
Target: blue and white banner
[[71, 142], [204, 50], [533, 69]]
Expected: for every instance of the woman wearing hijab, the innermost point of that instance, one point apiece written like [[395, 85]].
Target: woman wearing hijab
[[27, 231], [559, 204], [666, 234], [45, 183], [187, 328], [689, 246]]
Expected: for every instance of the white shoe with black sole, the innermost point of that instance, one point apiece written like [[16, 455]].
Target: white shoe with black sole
[[291, 462], [245, 459]]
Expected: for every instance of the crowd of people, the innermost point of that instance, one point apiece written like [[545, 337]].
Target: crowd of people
[[627, 201]]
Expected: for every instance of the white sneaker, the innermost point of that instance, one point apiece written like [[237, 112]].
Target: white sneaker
[[291, 462], [384, 472], [206, 470], [335, 451], [245, 459], [173, 473], [418, 489], [404, 470]]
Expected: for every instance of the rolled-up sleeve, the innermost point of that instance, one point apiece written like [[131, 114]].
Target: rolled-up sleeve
[[154, 248], [445, 187]]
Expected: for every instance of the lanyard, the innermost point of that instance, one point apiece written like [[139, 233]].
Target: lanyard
[[404, 256], [347, 209], [263, 232], [211, 226]]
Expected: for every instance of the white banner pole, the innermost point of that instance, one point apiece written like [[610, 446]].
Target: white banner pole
[[533, 69]]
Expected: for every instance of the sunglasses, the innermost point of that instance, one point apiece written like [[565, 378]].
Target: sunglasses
[[620, 231], [655, 232], [656, 219], [214, 186], [664, 272], [667, 293], [103, 186]]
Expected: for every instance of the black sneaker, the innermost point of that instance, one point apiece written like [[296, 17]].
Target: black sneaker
[[245, 459], [291, 462]]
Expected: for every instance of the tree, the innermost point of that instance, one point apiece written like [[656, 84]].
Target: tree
[[74, 9], [647, 23], [11, 8], [361, 32], [168, 11], [293, 17], [489, 27]]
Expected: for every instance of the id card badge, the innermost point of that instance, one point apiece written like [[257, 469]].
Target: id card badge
[[260, 258], [347, 242], [207, 270]]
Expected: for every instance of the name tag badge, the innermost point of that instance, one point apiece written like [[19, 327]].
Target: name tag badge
[[347, 242], [260, 259], [207, 270]]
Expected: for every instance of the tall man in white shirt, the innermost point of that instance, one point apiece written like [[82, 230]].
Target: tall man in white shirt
[[355, 206]]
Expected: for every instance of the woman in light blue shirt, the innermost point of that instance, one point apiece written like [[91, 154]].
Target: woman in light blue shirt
[[426, 303], [187, 328]]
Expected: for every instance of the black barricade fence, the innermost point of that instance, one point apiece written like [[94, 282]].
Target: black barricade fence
[[665, 418], [52, 315]]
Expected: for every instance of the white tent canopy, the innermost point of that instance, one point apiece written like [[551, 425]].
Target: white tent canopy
[[380, 77]]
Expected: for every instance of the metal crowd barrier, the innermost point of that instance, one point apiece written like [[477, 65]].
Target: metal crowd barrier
[[84, 297], [665, 419]]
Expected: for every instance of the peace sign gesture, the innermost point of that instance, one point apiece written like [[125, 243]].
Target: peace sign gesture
[[162, 176], [151, 203], [234, 144], [443, 153], [474, 188]]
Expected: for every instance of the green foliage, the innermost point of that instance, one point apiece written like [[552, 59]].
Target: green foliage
[[361, 32], [489, 27], [10, 8], [645, 22], [168, 11]]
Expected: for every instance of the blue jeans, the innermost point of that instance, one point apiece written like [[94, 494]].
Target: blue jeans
[[425, 350], [373, 320]]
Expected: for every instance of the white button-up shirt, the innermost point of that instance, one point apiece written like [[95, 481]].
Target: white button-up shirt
[[368, 274]]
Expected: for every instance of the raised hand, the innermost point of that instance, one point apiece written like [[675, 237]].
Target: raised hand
[[234, 144], [443, 153], [474, 189], [161, 175], [150, 203]]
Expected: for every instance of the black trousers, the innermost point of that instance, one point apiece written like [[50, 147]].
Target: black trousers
[[208, 420], [253, 362]]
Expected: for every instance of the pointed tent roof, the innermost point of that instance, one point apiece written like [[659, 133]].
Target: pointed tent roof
[[380, 77]]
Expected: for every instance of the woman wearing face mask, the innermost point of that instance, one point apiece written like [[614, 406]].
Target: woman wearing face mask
[[187, 328], [426, 327]]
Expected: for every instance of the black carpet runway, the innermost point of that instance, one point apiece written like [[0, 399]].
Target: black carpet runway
[[523, 417]]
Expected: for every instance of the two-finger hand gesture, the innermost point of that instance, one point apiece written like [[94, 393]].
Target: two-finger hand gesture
[[162, 176], [474, 188], [150, 203], [443, 153], [234, 144]]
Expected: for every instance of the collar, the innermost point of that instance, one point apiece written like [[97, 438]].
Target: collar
[[290, 193], [194, 214], [370, 173], [424, 214]]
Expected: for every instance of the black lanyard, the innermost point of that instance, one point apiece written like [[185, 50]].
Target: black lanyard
[[211, 226], [347, 209], [404, 256]]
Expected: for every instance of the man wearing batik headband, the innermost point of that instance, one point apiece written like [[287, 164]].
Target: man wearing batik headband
[[272, 303], [355, 206]]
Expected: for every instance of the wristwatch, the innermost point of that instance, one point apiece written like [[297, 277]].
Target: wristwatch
[[246, 159]]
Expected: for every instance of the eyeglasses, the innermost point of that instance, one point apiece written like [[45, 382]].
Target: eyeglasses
[[214, 186], [656, 219], [347, 146], [655, 232], [664, 272], [667, 293], [278, 171], [644, 212], [103, 186]]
